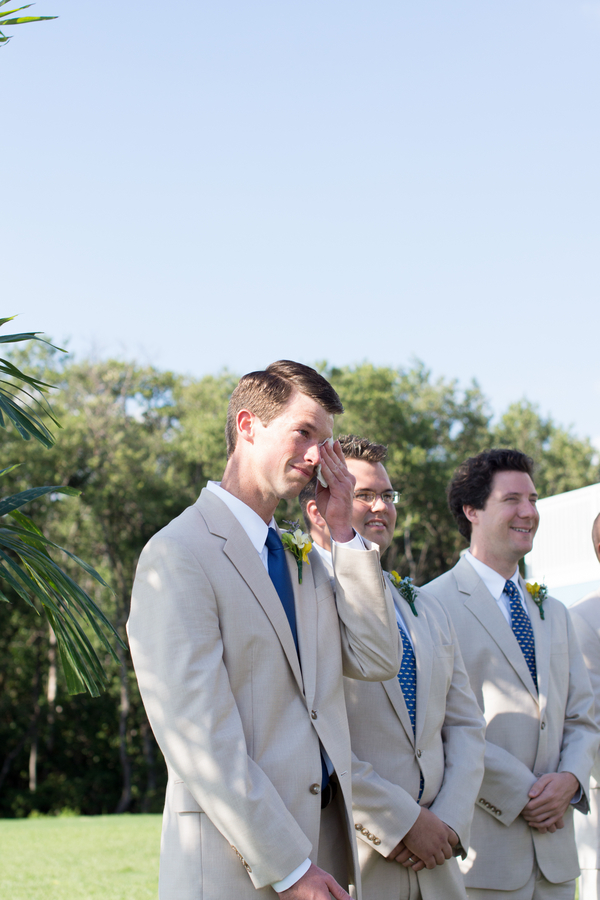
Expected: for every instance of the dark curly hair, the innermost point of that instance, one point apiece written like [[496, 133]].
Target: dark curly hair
[[472, 482]]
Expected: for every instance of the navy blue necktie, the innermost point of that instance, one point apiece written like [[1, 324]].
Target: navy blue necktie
[[407, 677], [521, 625], [280, 576]]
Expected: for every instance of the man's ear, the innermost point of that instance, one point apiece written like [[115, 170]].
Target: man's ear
[[314, 515], [472, 514], [245, 424]]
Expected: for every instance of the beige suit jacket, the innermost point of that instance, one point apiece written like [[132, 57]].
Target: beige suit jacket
[[237, 717], [586, 619], [527, 735], [448, 749]]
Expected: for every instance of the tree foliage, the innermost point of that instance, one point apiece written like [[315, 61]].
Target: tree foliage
[[27, 567], [140, 444]]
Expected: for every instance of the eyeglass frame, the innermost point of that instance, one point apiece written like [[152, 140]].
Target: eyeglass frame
[[395, 497]]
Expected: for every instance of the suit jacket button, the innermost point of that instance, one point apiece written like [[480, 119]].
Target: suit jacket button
[[358, 826], [364, 831], [418, 754], [376, 841], [315, 789], [313, 714], [543, 725]]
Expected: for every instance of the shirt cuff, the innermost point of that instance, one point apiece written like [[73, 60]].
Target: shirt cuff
[[577, 797], [292, 878], [356, 543]]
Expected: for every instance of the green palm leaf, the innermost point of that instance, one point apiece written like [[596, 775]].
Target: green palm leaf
[[26, 565]]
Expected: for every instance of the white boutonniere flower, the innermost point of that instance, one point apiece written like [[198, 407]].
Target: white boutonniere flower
[[299, 544]]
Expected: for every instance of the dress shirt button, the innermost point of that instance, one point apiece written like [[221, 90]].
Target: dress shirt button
[[418, 754], [315, 789], [313, 714]]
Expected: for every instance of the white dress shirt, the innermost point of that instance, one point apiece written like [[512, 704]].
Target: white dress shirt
[[495, 582]]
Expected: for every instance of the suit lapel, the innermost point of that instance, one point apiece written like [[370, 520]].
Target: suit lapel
[[240, 551], [418, 628], [542, 629], [305, 600], [483, 606], [392, 687]]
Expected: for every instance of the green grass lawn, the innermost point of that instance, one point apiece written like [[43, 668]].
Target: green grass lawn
[[80, 858]]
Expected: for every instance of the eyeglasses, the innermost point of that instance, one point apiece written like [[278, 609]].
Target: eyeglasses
[[369, 497]]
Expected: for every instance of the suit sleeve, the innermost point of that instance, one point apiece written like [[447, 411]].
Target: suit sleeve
[[589, 641], [463, 734], [370, 640], [177, 649], [384, 811], [581, 735]]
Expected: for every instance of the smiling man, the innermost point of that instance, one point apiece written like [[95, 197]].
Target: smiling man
[[529, 678], [417, 739], [239, 652]]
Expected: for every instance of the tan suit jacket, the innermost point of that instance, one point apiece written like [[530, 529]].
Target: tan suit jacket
[[527, 735], [586, 619], [448, 749], [238, 719]]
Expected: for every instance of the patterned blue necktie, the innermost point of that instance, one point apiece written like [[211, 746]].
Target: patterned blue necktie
[[407, 676], [280, 576], [521, 625]]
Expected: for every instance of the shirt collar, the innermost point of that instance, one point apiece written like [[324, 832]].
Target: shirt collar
[[250, 521], [324, 554], [493, 581]]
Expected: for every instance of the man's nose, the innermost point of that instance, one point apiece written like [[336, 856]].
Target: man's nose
[[378, 503], [313, 454]]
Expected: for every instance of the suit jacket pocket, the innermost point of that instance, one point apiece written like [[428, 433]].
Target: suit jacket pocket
[[444, 649], [183, 800]]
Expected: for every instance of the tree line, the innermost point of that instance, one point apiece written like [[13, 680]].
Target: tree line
[[140, 444]]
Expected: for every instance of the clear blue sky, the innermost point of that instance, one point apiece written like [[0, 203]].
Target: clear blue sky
[[200, 185]]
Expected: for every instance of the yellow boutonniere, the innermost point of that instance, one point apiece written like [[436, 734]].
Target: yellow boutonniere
[[299, 544], [406, 589], [538, 593]]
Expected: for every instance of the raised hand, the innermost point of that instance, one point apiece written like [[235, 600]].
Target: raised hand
[[335, 501]]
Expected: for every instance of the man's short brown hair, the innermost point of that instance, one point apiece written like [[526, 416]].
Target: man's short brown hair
[[471, 484], [354, 447], [265, 394]]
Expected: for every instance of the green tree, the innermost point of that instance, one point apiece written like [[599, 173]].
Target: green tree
[[563, 461], [429, 427], [26, 566]]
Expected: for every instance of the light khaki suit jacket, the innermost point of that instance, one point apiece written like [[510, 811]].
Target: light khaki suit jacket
[[586, 618], [527, 735], [448, 749], [238, 719]]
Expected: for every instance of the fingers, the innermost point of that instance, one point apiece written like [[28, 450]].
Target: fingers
[[333, 464]]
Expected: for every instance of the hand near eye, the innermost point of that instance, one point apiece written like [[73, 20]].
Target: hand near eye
[[335, 501]]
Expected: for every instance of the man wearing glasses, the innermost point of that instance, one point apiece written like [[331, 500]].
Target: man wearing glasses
[[417, 739]]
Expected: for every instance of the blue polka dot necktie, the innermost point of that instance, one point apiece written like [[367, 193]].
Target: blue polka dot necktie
[[521, 625], [407, 676]]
